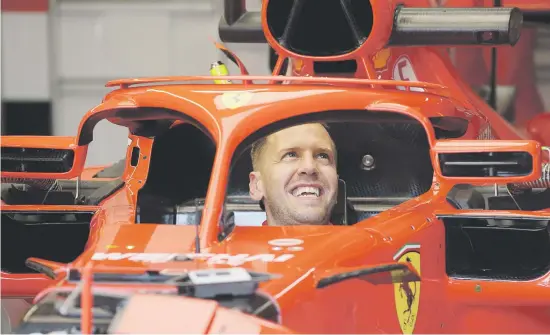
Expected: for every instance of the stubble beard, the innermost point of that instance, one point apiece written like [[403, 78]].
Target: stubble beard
[[281, 216]]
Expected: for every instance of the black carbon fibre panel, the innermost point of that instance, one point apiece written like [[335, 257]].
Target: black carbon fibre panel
[[402, 168]]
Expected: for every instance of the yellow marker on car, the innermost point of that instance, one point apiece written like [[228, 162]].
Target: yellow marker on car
[[219, 69]]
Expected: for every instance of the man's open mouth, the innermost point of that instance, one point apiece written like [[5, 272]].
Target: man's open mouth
[[307, 192]]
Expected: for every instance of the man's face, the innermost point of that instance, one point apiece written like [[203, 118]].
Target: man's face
[[297, 176]]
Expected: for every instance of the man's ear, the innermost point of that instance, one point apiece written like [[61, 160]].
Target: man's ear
[[255, 186]]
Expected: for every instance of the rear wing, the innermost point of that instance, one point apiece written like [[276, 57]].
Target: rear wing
[[412, 26], [238, 25], [535, 12]]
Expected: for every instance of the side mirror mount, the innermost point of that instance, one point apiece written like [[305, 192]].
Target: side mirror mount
[[42, 157], [484, 162]]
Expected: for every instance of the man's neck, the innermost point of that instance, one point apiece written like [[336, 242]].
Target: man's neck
[[265, 223], [271, 221]]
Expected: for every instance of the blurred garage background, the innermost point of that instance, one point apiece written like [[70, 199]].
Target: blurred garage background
[[58, 54]]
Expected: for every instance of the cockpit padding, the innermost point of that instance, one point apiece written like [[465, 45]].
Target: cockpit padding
[[343, 212]]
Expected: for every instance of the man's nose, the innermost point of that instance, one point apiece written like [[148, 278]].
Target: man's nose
[[308, 165]]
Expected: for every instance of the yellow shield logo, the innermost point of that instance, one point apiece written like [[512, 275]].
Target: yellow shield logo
[[407, 295], [381, 58], [233, 100], [298, 65]]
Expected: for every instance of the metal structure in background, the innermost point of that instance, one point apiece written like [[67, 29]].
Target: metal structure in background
[[239, 25]]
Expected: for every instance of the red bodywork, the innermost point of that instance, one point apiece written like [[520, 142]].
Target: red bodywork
[[420, 83]]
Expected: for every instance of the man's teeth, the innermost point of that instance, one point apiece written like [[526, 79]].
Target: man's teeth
[[306, 191]]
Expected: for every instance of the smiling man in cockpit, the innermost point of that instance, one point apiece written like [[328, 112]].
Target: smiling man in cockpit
[[295, 175]]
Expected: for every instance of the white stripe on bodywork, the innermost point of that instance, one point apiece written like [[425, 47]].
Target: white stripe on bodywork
[[404, 249]]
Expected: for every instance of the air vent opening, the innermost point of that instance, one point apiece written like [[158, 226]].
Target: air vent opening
[[135, 156], [497, 248], [32, 160], [486, 164], [340, 67], [55, 236], [320, 28]]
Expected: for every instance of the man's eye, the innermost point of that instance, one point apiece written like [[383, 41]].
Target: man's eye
[[290, 154], [324, 156]]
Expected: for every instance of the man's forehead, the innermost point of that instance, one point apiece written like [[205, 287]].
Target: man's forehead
[[310, 135]]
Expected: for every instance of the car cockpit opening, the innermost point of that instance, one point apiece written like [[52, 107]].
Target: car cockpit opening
[[383, 160]]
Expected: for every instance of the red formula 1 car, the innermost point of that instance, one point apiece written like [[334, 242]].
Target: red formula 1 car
[[442, 216]]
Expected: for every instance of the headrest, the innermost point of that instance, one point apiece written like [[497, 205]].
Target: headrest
[[342, 213]]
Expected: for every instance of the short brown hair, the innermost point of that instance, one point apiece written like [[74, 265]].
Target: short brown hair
[[256, 151], [259, 145]]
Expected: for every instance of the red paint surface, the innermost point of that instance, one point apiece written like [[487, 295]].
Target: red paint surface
[[24, 5]]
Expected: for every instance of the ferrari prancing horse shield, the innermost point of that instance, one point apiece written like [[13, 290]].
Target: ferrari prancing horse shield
[[407, 295], [233, 100]]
